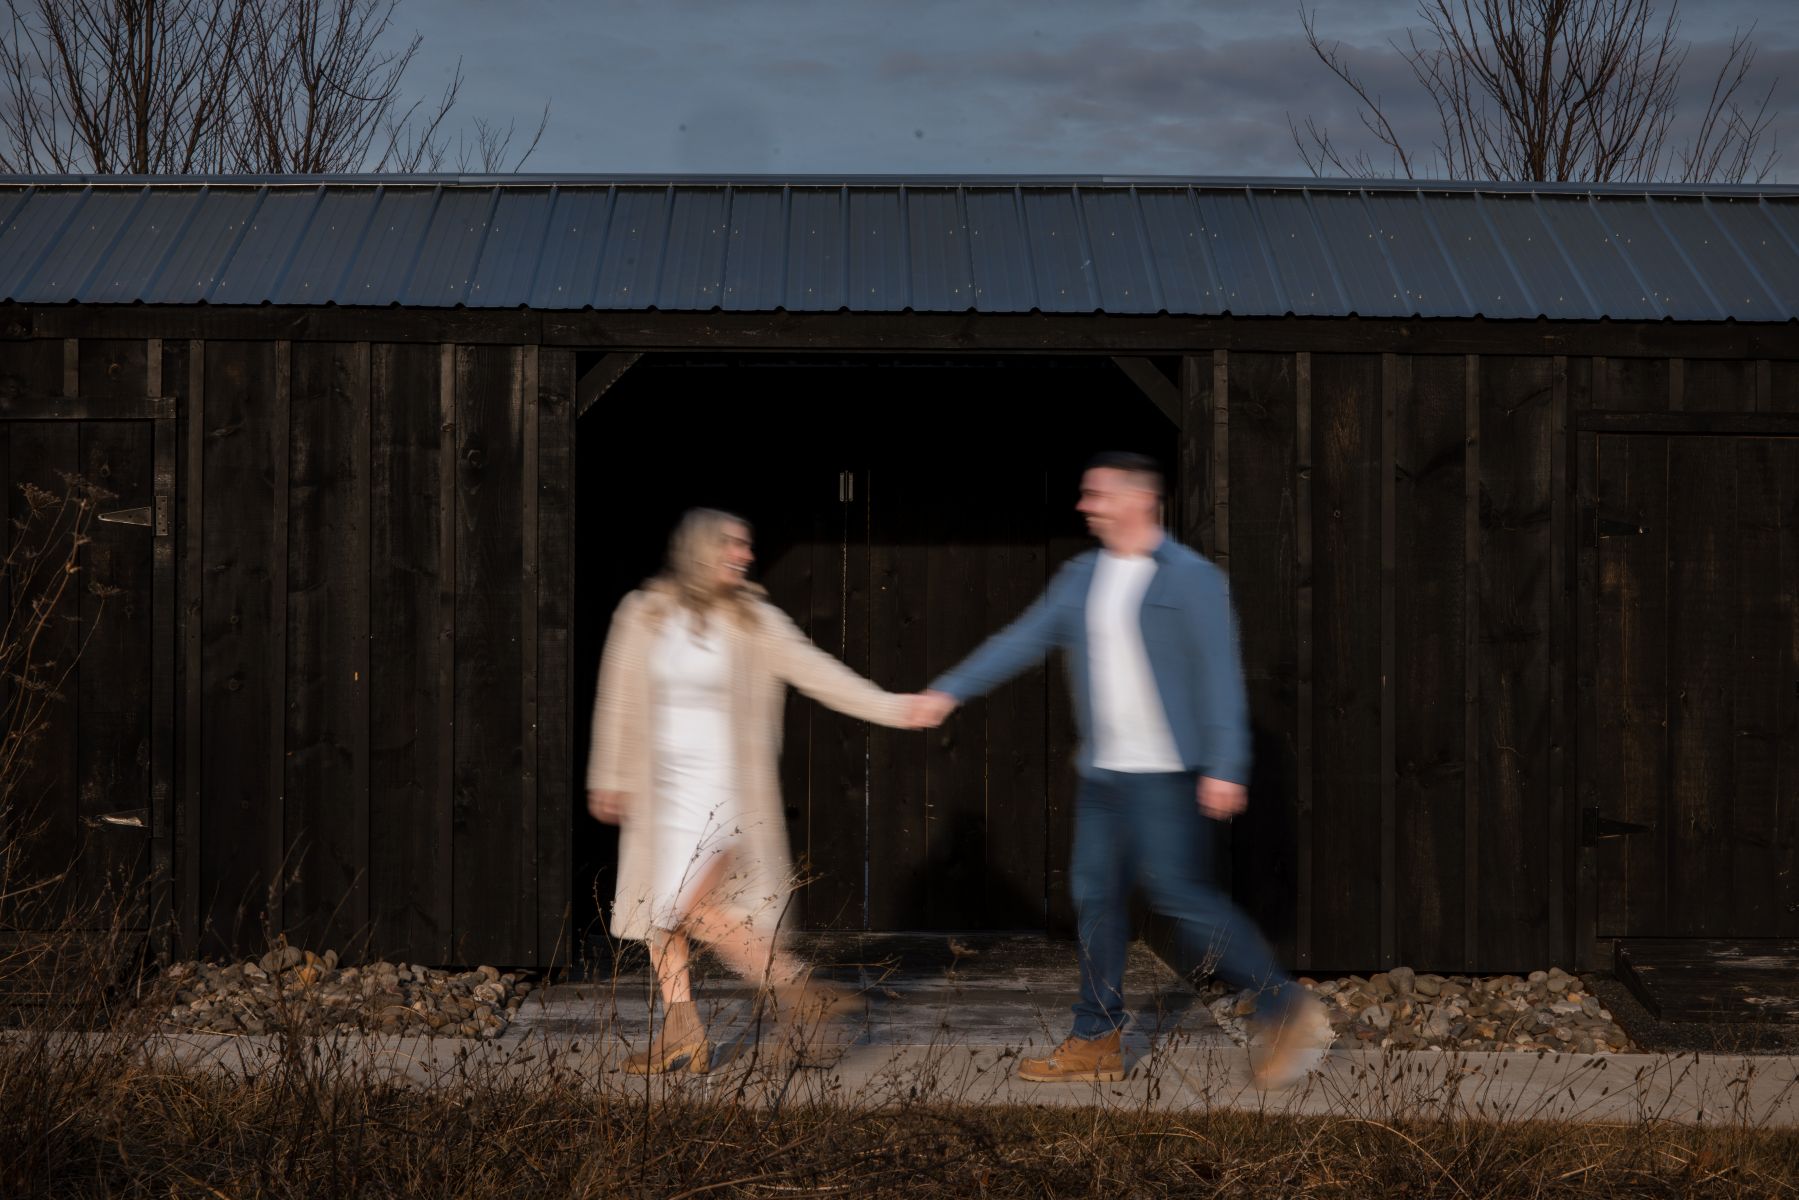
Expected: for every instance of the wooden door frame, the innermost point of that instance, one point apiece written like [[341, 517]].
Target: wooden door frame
[[1584, 430], [158, 409]]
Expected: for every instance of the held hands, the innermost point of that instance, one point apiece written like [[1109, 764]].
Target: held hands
[[1220, 800], [929, 710]]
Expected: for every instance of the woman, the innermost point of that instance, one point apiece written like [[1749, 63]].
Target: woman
[[686, 733]]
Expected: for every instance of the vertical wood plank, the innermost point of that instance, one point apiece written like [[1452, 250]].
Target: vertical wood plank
[[1346, 496], [1014, 833], [410, 651], [243, 527], [1221, 459], [491, 778], [1561, 864], [109, 694], [1677, 384], [193, 575], [1758, 678], [1786, 716], [444, 809], [524, 951], [1703, 599], [327, 774], [956, 762], [898, 871], [1194, 470], [555, 671], [162, 670], [1515, 552], [1636, 384], [1263, 453], [1305, 761], [1429, 612], [1392, 375], [836, 815], [280, 848], [1065, 537], [1720, 385], [1636, 568], [1575, 665], [1471, 658], [1783, 386], [1599, 910]]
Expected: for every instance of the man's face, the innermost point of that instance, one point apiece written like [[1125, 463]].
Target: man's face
[[1113, 500]]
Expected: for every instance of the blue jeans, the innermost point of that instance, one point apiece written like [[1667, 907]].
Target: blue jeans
[[1147, 830]]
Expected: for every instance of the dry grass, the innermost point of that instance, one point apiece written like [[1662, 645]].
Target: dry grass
[[92, 1104], [98, 1117]]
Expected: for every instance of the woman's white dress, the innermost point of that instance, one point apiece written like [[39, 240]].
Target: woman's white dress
[[697, 808]]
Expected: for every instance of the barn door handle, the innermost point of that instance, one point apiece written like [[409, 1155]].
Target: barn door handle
[[1593, 827], [1613, 527]]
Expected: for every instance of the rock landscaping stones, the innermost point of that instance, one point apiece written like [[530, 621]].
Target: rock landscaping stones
[[290, 988], [1400, 1008]]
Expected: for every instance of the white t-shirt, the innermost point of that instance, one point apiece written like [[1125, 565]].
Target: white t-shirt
[[1130, 730]]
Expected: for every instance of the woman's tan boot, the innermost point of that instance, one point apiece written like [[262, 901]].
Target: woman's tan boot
[[682, 1037]]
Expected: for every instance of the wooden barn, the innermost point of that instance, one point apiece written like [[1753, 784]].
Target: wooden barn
[[1506, 481]]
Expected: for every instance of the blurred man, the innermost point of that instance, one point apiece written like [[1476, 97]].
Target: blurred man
[[1158, 693]]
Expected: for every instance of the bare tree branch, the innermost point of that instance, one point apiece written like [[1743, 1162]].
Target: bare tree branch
[[258, 86], [1554, 90]]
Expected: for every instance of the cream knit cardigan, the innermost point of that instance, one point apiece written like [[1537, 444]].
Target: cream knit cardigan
[[766, 653]]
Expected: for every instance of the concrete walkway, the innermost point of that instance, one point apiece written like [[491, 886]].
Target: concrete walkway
[[948, 1023]]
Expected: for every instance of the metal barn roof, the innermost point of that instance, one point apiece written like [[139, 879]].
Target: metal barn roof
[[1096, 245]]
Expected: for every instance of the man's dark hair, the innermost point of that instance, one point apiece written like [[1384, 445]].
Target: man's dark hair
[[1131, 462]]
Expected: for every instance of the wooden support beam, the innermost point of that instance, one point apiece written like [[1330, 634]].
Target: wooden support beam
[[599, 378], [1723, 423], [33, 406], [1162, 392]]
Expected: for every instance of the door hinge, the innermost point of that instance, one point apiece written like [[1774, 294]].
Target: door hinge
[[154, 517], [128, 516], [130, 818], [846, 486], [1593, 827]]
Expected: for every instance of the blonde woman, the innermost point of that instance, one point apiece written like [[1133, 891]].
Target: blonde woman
[[686, 733]]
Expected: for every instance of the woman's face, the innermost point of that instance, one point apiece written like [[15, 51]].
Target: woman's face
[[735, 555]]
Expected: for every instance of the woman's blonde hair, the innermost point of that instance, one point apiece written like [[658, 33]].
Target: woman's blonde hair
[[690, 575]]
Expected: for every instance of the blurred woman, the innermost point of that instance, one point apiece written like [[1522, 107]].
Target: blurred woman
[[686, 734]]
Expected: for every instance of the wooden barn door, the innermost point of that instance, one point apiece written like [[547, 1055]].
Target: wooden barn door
[[96, 787], [1691, 749], [913, 563]]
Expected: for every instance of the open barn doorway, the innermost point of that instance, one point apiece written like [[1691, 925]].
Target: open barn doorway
[[903, 509]]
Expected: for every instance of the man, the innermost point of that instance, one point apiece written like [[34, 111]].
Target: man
[[1158, 694]]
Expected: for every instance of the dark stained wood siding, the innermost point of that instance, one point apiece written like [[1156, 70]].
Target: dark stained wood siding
[[1456, 653]]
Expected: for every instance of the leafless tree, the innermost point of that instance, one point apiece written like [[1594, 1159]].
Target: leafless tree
[[111, 86], [1552, 90], [255, 86]]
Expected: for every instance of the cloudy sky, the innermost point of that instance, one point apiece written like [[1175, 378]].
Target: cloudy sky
[[1120, 87]]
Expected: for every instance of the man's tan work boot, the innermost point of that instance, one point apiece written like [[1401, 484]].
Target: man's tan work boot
[[1292, 1044], [1078, 1060]]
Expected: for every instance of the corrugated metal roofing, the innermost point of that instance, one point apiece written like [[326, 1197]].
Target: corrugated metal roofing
[[1190, 247]]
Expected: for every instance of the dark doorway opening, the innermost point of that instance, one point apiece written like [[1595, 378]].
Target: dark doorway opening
[[904, 508]]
